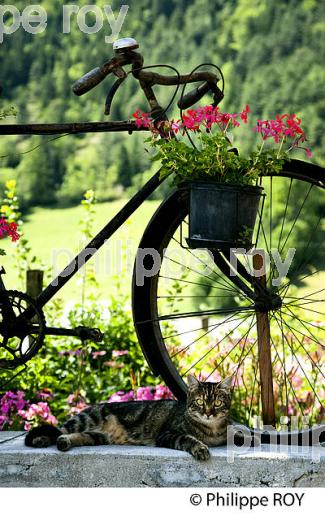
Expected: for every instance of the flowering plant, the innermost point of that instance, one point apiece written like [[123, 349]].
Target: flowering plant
[[213, 157], [16, 411], [8, 229]]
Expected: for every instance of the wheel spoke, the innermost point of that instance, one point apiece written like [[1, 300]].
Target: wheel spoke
[[226, 321], [290, 383], [193, 287], [177, 334], [242, 357], [213, 312], [219, 286], [309, 310], [196, 283], [210, 350], [283, 287], [296, 218], [304, 258], [285, 213], [302, 345], [302, 323], [285, 368], [302, 368], [226, 284]]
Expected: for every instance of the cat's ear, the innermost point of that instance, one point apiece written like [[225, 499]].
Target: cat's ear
[[192, 382], [226, 384]]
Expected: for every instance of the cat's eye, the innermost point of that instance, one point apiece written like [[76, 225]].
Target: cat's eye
[[218, 402], [199, 402]]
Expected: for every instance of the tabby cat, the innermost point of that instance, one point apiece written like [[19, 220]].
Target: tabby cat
[[192, 426]]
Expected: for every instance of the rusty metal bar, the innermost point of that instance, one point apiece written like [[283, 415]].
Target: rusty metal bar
[[264, 350], [69, 128]]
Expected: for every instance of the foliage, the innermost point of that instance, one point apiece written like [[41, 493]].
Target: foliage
[[23, 258], [215, 159], [283, 69], [8, 222], [7, 112], [77, 372]]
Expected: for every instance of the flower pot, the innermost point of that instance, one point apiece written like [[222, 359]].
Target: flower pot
[[222, 216]]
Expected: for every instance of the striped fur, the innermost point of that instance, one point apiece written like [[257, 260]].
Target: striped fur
[[192, 426]]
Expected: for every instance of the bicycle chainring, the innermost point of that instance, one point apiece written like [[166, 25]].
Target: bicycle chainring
[[22, 329]]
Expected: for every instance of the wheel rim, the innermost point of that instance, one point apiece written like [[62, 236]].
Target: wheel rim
[[227, 341]]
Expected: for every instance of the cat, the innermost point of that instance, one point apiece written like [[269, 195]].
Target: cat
[[191, 426]]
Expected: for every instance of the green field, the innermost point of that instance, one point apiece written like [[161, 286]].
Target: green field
[[54, 236]]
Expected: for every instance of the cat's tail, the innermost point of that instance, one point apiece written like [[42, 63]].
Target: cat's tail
[[42, 436]]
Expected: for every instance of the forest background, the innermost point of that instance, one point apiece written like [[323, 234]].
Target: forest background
[[271, 53]]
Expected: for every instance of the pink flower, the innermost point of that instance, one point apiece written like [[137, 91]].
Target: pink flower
[[78, 403], [45, 394], [144, 394], [122, 396], [98, 353], [175, 126], [142, 119], [190, 123], [75, 398], [77, 408], [162, 392], [114, 364], [244, 114], [76, 352], [296, 380], [5, 408], [118, 353], [38, 413], [308, 152]]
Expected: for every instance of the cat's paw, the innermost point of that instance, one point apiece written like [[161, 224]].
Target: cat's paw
[[41, 442], [63, 443], [200, 452]]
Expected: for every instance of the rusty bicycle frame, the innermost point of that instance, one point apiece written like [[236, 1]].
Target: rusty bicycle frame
[[125, 54]]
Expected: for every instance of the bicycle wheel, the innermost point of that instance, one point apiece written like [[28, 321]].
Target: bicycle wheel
[[195, 314]]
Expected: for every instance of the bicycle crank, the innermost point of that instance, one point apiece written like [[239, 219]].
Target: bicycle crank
[[84, 333], [22, 328]]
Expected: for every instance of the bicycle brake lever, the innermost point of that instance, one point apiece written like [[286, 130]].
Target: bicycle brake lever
[[121, 75], [198, 92], [218, 95], [193, 96]]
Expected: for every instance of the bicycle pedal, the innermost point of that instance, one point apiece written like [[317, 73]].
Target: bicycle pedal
[[91, 334]]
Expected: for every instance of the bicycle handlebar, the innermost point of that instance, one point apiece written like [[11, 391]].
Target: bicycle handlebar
[[194, 96], [125, 54], [95, 76], [88, 81]]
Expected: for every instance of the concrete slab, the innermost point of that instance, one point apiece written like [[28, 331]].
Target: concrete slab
[[137, 466]]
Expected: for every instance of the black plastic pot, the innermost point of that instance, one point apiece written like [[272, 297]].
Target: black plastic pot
[[222, 216]]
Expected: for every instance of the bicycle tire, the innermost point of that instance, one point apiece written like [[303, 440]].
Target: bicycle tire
[[157, 236]]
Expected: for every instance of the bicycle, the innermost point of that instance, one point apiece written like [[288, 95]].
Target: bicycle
[[288, 321]]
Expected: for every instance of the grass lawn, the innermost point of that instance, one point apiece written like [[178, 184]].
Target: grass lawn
[[54, 236]]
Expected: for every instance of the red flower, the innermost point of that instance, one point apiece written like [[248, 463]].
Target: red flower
[[142, 119], [8, 230], [244, 113], [190, 123]]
